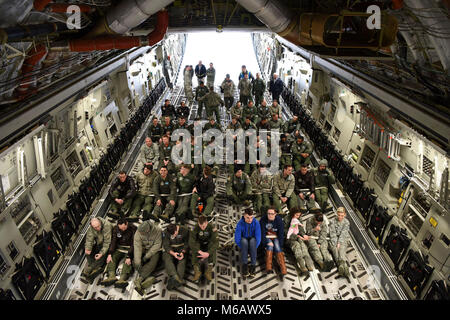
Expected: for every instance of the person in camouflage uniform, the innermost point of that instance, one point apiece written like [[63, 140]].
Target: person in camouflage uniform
[[203, 243], [259, 87], [98, 240], [200, 92], [262, 182], [317, 242], [297, 242], [147, 246], [121, 247], [283, 189], [301, 153], [164, 189], [245, 90], [236, 111], [165, 154], [228, 87], [176, 250], [212, 124], [122, 192], [185, 184], [250, 111], [286, 151], [275, 108], [204, 191], [239, 187], [168, 126], [188, 74], [292, 125], [149, 153], [212, 102], [304, 188], [276, 123], [264, 111], [210, 76], [144, 198], [339, 229], [323, 179]]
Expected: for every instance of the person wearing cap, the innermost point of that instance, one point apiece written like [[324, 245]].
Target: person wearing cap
[[212, 124], [149, 153], [262, 184], [239, 187], [210, 76], [200, 92], [185, 185], [200, 72], [228, 87], [212, 102], [165, 190], [144, 198], [286, 151], [323, 179], [248, 237], [183, 110], [301, 152], [259, 87], [188, 73], [245, 72], [245, 90]]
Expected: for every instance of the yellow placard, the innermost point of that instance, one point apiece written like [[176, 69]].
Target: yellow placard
[[433, 222]]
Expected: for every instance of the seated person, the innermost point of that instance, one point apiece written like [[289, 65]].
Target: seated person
[[147, 246], [203, 243], [304, 188], [144, 198], [175, 244], [248, 237], [295, 239], [283, 187], [165, 190], [239, 187], [168, 126], [323, 179], [262, 182], [272, 236], [276, 123], [203, 191], [98, 240], [122, 193], [183, 110], [212, 124], [121, 247], [317, 243], [185, 185], [167, 109], [286, 151], [150, 153], [301, 152], [339, 235], [155, 130]]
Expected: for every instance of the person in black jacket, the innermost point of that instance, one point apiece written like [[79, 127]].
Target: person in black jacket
[[276, 87], [155, 130], [272, 237], [200, 71], [183, 110], [122, 192], [121, 247], [168, 109], [203, 191], [304, 188]]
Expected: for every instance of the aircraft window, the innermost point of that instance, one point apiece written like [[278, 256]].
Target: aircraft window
[[382, 173], [367, 158]]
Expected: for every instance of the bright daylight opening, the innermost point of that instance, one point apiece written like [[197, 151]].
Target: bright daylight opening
[[228, 51]]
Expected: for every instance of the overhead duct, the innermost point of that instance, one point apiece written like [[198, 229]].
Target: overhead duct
[[343, 30], [119, 42], [127, 15]]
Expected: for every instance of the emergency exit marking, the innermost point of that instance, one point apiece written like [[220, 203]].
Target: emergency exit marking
[[433, 222]]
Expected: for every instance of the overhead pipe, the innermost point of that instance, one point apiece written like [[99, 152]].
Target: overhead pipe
[[313, 29], [120, 42], [29, 31], [127, 15], [40, 5], [36, 55]]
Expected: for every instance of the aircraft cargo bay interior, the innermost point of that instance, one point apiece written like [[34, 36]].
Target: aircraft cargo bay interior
[[224, 150]]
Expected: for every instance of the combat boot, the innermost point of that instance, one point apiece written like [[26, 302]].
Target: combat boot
[[86, 272], [208, 272], [302, 265], [114, 215], [269, 256], [309, 263], [123, 281], [328, 265], [281, 263], [147, 283], [245, 272], [94, 274], [197, 273], [321, 265], [110, 280], [179, 282], [138, 286]]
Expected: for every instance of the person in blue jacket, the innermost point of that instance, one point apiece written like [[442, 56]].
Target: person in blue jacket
[[272, 236], [248, 238]]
